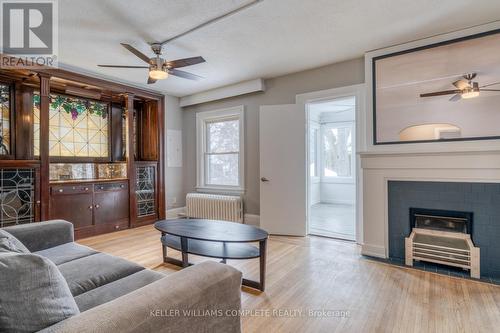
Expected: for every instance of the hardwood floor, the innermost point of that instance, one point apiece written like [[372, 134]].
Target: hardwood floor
[[315, 273]]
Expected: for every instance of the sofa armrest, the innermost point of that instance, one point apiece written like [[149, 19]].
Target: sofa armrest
[[202, 298], [43, 235]]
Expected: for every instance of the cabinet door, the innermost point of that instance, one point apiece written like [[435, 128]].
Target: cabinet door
[[111, 203], [75, 208], [145, 190]]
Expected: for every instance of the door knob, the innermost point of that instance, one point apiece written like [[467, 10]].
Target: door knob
[[264, 179]]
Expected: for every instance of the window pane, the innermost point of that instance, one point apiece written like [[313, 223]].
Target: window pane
[[77, 127], [223, 136], [337, 149], [4, 119], [222, 169]]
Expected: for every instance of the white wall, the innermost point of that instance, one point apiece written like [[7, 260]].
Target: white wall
[[280, 90], [174, 184], [338, 193], [315, 192]]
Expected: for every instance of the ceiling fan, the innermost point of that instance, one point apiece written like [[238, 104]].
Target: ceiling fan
[[160, 68], [466, 88]]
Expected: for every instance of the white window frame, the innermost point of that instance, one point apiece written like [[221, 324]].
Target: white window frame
[[202, 119], [336, 179], [315, 126]]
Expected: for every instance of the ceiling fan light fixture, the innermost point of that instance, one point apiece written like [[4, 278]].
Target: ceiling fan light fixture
[[470, 93], [158, 74]]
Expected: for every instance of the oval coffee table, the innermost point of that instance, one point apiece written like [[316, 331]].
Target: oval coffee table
[[215, 239]]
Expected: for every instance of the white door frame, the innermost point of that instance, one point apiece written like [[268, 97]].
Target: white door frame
[[358, 91]]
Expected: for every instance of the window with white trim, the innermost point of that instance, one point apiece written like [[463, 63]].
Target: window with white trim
[[220, 150], [337, 150]]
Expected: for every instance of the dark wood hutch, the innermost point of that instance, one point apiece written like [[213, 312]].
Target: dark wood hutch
[[121, 186]]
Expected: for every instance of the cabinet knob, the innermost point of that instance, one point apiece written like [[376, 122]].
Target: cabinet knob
[[97, 206], [91, 207], [117, 227], [38, 202], [61, 190], [86, 189]]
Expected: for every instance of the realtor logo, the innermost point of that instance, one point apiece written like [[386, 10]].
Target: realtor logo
[[29, 33]]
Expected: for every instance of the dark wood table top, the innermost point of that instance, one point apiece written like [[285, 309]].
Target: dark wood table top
[[211, 230]]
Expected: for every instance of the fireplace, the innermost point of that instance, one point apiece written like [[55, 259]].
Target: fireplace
[[442, 237], [438, 219]]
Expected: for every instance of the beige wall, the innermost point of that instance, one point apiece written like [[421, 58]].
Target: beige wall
[[280, 90]]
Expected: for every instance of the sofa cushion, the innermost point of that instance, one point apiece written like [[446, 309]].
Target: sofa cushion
[[115, 289], [66, 252], [9, 243], [96, 270], [33, 293]]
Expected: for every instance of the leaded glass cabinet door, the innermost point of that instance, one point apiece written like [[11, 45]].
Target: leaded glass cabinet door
[[17, 196], [145, 190]]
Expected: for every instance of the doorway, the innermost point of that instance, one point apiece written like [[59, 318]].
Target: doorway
[[332, 167]]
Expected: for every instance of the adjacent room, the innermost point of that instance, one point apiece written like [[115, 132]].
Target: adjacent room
[[228, 166], [332, 168]]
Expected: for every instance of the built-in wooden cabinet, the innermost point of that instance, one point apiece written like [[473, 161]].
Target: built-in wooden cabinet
[[111, 206], [131, 138], [93, 208], [72, 203]]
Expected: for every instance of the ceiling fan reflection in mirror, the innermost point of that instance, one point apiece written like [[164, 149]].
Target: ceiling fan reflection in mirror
[[160, 68], [465, 88]]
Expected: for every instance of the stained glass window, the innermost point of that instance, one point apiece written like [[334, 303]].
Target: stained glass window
[[77, 127], [4, 119]]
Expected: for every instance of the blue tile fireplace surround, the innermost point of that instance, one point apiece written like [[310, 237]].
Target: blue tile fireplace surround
[[482, 199]]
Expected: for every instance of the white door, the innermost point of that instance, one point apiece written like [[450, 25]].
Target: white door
[[282, 143]]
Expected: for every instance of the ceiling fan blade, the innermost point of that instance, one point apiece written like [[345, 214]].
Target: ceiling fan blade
[[455, 98], [461, 84], [489, 89], [151, 81], [441, 93], [136, 52], [491, 84], [185, 62], [122, 66], [184, 75]]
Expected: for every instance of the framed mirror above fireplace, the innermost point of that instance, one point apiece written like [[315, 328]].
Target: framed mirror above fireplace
[[446, 91]]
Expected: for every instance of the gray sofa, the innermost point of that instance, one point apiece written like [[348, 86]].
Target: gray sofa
[[115, 295]]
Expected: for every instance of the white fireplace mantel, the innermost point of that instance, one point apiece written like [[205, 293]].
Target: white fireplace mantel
[[378, 169]]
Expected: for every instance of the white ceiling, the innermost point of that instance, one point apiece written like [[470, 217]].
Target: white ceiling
[[272, 38], [334, 105]]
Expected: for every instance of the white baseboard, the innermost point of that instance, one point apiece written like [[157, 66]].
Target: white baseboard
[[172, 212], [338, 202], [373, 251], [252, 219]]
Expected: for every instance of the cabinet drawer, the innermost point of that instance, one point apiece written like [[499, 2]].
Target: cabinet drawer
[[104, 187], [70, 189]]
